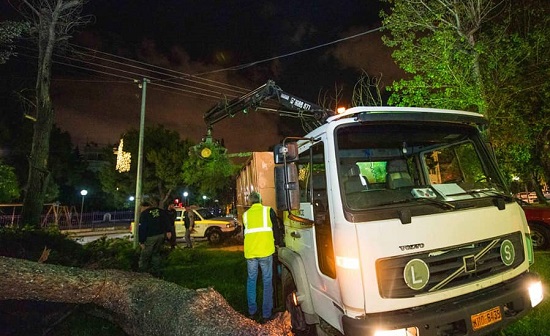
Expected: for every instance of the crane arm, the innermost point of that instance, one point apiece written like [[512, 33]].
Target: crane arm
[[256, 97]]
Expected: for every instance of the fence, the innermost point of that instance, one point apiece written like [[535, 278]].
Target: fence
[[71, 220]]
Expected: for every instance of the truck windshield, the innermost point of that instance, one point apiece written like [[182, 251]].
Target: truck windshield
[[414, 164]]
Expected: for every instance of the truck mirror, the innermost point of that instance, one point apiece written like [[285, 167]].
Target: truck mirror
[[287, 189], [288, 151]]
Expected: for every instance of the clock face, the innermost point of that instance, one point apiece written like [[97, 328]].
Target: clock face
[[206, 152]]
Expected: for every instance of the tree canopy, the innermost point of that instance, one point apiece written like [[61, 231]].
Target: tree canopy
[[488, 56], [209, 168], [9, 32], [9, 188], [163, 155]]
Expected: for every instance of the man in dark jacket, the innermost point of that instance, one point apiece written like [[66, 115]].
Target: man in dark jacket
[[152, 229]]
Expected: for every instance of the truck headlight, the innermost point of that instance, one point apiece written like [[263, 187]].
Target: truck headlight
[[535, 293]]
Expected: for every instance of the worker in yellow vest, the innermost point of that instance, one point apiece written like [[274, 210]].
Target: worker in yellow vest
[[261, 234]]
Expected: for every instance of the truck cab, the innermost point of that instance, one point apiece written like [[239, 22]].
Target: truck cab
[[400, 223]]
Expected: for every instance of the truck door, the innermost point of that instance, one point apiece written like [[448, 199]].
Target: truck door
[[317, 187]]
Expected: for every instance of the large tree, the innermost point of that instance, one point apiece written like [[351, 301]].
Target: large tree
[[209, 168], [51, 22], [517, 71], [163, 155], [488, 56]]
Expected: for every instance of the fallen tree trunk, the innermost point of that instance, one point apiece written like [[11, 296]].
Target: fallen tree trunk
[[139, 303]]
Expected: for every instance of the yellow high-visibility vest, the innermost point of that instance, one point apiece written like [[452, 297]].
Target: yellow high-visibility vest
[[258, 232]]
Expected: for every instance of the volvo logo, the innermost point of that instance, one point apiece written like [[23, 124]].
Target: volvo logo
[[411, 246], [469, 263]]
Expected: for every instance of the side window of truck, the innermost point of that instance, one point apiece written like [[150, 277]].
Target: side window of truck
[[321, 213]]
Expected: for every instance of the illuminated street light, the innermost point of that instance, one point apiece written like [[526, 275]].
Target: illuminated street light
[[83, 192], [204, 199], [185, 194], [131, 198]]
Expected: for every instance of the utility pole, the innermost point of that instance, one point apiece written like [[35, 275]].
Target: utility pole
[[138, 197]]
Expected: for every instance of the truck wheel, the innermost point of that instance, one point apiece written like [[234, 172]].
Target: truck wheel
[[297, 318], [214, 236], [540, 235]]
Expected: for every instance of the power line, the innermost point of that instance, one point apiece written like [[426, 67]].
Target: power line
[[198, 91], [182, 75], [185, 88], [247, 65]]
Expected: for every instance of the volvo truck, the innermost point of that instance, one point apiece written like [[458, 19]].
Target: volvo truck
[[397, 221]]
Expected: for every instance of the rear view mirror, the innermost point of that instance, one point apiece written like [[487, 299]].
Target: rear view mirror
[[287, 187], [286, 152]]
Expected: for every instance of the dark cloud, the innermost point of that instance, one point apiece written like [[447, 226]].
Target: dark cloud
[[202, 37], [368, 53]]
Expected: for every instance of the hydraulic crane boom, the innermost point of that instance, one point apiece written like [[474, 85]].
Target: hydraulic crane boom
[[313, 114]]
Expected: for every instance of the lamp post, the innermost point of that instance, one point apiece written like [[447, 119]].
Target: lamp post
[[204, 200], [83, 192], [185, 194]]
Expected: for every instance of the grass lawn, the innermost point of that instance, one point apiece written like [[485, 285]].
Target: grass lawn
[[537, 322], [225, 271]]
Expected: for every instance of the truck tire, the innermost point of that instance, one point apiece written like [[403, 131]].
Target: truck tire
[[214, 236], [540, 235], [298, 322]]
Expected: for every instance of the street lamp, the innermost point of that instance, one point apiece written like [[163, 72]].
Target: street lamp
[[204, 199], [185, 194], [83, 192]]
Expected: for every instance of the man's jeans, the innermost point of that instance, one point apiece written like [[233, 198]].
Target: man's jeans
[[150, 259], [188, 241], [266, 265]]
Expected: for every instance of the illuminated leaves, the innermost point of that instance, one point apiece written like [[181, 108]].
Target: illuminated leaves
[[9, 188]]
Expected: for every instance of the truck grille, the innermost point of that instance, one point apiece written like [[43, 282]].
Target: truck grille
[[448, 268]]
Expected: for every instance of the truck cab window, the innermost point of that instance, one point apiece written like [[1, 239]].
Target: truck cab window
[[384, 166], [313, 184]]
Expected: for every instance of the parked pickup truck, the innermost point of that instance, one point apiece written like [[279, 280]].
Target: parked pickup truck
[[538, 217], [215, 229]]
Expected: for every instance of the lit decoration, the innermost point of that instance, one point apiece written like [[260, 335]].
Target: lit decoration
[[123, 159], [206, 152], [208, 148]]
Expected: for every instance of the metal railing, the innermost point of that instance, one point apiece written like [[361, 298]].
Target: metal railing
[[89, 220]]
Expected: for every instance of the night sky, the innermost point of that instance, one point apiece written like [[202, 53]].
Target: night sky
[[97, 102]]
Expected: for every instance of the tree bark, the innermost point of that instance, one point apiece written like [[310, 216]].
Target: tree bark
[[138, 303]]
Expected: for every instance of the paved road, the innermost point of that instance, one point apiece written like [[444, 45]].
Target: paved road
[[91, 237], [85, 236]]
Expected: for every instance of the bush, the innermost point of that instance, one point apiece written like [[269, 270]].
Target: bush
[[30, 243], [115, 253]]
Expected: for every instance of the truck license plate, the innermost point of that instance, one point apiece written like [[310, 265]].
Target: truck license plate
[[486, 318]]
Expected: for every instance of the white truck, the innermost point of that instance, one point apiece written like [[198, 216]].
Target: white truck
[[398, 222]]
